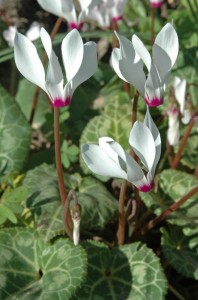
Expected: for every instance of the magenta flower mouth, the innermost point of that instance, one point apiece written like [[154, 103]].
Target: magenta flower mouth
[[58, 102], [147, 188], [73, 25], [156, 4], [116, 19], [154, 102]]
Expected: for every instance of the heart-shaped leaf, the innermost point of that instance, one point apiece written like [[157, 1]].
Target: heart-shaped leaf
[[128, 272], [31, 269]]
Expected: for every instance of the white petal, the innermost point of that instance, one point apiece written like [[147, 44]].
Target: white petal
[[100, 163], [114, 61], [167, 40], [141, 51], [54, 7], [173, 132], [33, 32], [180, 92], [148, 121], [186, 116], [54, 78], [130, 65], [28, 61], [143, 144], [153, 88], [88, 66], [9, 35], [72, 53]]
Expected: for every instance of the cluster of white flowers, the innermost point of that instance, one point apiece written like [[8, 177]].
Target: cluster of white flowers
[[80, 63]]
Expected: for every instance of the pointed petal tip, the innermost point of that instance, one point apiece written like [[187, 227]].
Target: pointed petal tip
[[154, 102]]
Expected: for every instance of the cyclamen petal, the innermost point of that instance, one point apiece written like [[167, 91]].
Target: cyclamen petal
[[77, 66], [109, 158], [128, 63]]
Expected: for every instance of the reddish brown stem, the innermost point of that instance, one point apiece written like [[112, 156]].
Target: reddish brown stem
[[114, 27], [171, 209], [122, 220], [135, 104], [182, 144], [37, 90], [59, 169], [170, 153]]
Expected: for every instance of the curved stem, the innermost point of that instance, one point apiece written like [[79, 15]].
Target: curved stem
[[122, 220], [182, 144]]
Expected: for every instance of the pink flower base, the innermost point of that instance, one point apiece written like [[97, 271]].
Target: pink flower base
[[58, 102], [154, 102], [147, 188], [73, 25], [156, 4], [116, 19]]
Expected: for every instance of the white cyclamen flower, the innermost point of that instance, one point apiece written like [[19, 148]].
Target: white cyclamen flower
[[109, 158], [156, 3], [80, 63], [127, 62], [107, 11], [66, 10]]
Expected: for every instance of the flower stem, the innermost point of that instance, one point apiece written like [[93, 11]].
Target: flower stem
[[135, 104], [37, 90], [171, 209], [170, 154], [61, 184], [122, 220], [182, 144]]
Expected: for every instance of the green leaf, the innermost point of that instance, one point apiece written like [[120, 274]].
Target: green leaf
[[128, 272], [6, 213], [97, 208], [115, 121], [15, 134], [177, 248], [31, 269], [24, 98], [69, 154], [174, 185]]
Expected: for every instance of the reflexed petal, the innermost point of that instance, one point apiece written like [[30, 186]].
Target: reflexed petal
[[173, 132], [72, 53], [143, 144], [54, 78], [54, 7], [148, 121], [67, 6], [114, 151], [180, 92], [141, 51], [100, 163], [162, 62], [186, 116], [167, 39], [28, 61], [88, 66], [115, 58], [153, 88], [134, 74], [134, 172], [130, 65]]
